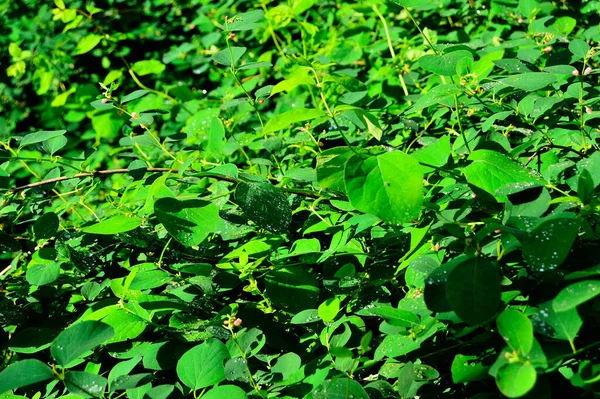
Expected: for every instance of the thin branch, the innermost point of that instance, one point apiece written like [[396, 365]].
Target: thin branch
[[305, 193]]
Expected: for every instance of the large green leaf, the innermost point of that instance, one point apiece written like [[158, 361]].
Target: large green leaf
[[148, 67], [188, 221], [87, 43], [330, 168], [43, 273], [529, 81], [225, 391], [468, 368], [285, 119], [85, 384], [292, 288], [41, 136], [389, 186], [229, 56], [411, 3], [340, 388], [46, 226], [23, 373], [78, 339], [114, 225], [265, 205], [473, 290], [203, 365], [446, 64], [576, 294], [516, 329], [499, 175], [515, 379], [549, 242], [560, 325]]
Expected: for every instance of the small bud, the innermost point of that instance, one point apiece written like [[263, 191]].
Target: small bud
[[232, 36], [497, 231], [437, 246], [134, 115], [575, 73], [546, 50], [473, 195], [104, 100], [142, 126], [587, 71], [588, 110], [237, 322], [261, 101], [520, 20], [225, 322]]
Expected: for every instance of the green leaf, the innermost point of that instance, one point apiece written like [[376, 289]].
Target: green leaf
[[292, 288], [78, 339], [114, 225], [389, 186], [468, 368], [434, 155], [229, 56], [43, 273], [87, 44], [516, 329], [340, 388], [148, 67], [411, 3], [246, 21], [46, 226], [331, 165], [579, 48], [287, 365], [265, 205], [515, 380], [329, 309], [54, 144], [31, 340], [134, 95], [446, 65], [202, 366], [23, 373], [188, 221], [499, 175], [576, 294], [473, 290], [548, 244], [85, 384], [38, 137], [530, 81], [560, 325], [284, 120], [225, 391]]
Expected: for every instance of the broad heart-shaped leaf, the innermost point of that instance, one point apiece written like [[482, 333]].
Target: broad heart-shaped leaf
[[516, 329], [282, 121], [516, 379], [499, 175], [229, 56], [576, 294], [340, 388], [292, 288], [202, 366], [188, 221], [46, 226], [23, 373], [246, 21], [114, 225], [330, 167], [225, 391], [265, 205], [473, 290], [468, 368], [579, 48], [389, 186], [446, 64], [529, 81], [549, 243], [78, 339], [85, 384]]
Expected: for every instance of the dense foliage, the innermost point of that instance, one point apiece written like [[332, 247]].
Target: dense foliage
[[301, 199]]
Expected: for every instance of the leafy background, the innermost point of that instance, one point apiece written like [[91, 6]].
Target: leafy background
[[299, 199]]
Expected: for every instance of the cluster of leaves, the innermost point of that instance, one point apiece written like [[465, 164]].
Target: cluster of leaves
[[299, 199]]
